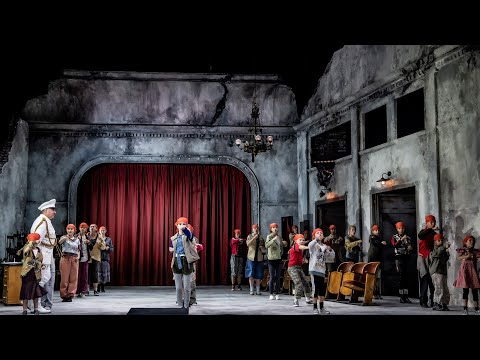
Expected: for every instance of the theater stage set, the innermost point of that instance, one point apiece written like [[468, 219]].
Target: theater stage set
[[219, 300]]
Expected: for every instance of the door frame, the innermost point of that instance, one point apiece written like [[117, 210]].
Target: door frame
[[375, 191], [374, 206], [328, 201]]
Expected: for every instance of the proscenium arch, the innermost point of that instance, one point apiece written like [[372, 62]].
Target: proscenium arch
[[161, 159]]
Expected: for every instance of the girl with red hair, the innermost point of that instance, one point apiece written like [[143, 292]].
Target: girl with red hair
[[468, 273]]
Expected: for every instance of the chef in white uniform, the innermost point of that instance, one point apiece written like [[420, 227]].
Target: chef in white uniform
[[43, 226]]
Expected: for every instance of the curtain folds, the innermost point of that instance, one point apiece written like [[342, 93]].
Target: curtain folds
[[139, 204]]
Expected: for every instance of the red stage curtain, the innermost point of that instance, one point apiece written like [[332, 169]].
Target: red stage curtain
[[139, 204]]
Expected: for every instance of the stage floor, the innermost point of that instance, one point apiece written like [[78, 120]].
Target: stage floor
[[220, 300]]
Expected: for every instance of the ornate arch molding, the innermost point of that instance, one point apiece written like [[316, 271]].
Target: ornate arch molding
[[161, 159]]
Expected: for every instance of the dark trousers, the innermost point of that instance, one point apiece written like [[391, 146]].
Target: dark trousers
[[425, 284], [401, 261], [274, 269]]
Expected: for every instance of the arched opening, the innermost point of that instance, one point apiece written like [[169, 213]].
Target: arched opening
[[140, 202]]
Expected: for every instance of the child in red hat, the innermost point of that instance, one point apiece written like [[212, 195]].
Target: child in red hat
[[184, 255], [69, 263], [425, 245], [375, 253], [403, 248], [31, 273], [467, 277], [237, 245], [295, 262], [438, 264], [274, 244]]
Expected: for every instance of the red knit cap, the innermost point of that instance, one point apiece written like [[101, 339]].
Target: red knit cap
[[430, 218], [102, 228], [181, 220], [314, 231], [375, 227], [438, 237], [466, 239], [71, 225], [273, 225], [399, 225], [298, 236], [33, 237], [255, 226], [237, 231], [332, 227], [84, 225]]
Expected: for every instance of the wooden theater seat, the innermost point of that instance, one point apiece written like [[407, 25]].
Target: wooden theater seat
[[365, 285], [335, 279], [355, 273]]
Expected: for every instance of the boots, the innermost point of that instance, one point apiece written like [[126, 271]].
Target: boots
[[402, 296], [437, 306], [423, 302], [103, 288], [405, 294]]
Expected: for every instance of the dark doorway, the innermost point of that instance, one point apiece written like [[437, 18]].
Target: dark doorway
[[331, 212], [389, 208]]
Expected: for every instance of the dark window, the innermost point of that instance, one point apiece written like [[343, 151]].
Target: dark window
[[410, 113], [332, 144], [376, 127]]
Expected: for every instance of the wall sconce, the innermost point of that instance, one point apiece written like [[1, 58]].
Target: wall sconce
[[322, 193], [384, 179]]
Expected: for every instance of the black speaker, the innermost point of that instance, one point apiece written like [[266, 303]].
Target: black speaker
[[158, 311]]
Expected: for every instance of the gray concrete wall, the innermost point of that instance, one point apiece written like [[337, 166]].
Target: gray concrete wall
[[81, 119], [13, 186], [458, 99], [355, 67], [442, 161], [162, 99]]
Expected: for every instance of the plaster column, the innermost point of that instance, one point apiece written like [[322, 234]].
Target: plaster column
[[303, 208], [354, 209], [432, 182]]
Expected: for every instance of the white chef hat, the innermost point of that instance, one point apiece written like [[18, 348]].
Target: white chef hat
[[47, 204]]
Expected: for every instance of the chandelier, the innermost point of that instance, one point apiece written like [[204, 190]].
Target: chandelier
[[256, 143]]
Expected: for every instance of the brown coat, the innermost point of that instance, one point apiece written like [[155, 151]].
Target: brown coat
[[31, 261]]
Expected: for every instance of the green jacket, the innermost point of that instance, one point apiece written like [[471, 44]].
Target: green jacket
[[438, 260], [274, 246]]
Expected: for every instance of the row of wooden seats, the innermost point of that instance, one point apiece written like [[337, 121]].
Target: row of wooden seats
[[354, 280]]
